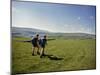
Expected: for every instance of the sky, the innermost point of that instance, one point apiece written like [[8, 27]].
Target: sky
[[65, 18]]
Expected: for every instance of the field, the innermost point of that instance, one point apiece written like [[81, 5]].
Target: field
[[76, 54]]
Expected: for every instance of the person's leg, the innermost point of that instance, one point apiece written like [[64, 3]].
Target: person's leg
[[38, 50], [33, 49], [42, 52]]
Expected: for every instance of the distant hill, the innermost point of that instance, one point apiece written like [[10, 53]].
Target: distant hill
[[29, 32], [26, 32], [73, 35]]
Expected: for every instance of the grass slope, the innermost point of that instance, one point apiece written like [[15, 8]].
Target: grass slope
[[77, 55]]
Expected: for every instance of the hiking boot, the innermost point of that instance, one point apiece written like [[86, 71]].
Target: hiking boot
[[40, 56], [43, 54], [32, 54], [38, 53]]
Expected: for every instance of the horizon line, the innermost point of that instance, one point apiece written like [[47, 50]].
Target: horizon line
[[53, 31]]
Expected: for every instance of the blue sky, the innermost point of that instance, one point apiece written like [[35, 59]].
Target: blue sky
[[54, 17]]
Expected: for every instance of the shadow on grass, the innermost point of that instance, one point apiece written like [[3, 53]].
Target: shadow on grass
[[52, 57]]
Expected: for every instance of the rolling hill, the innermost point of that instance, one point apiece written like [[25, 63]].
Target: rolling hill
[[29, 32]]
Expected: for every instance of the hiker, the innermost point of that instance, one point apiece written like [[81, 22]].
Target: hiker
[[35, 43], [43, 42]]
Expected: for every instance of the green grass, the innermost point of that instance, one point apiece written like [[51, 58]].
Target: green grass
[[77, 55]]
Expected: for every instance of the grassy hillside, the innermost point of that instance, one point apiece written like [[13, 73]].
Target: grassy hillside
[[77, 55]]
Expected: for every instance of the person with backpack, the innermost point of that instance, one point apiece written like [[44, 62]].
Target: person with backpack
[[43, 43], [35, 43]]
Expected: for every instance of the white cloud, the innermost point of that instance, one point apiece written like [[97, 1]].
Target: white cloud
[[78, 18], [76, 29]]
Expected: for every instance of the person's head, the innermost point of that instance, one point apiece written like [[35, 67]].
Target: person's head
[[45, 36], [37, 35]]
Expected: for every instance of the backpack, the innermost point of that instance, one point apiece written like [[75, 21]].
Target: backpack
[[33, 41], [40, 41]]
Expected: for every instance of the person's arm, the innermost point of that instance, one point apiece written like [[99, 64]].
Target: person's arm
[[38, 43]]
